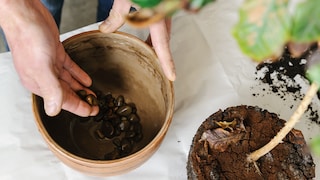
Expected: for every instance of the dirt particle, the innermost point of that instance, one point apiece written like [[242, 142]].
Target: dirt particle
[[282, 75]]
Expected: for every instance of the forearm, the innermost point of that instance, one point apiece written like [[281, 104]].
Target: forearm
[[9, 9], [21, 18], [18, 12]]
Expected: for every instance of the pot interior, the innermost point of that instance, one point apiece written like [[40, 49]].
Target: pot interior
[[121, 66]]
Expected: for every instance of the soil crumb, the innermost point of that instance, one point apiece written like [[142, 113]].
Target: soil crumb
[[283, 77]]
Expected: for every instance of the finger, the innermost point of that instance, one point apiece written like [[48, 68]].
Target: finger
[[47, 86], [75, 71], [50, 90], [73, 83], [160, 42], [73, 78], [72, 103], [78, 107], [116, 17]]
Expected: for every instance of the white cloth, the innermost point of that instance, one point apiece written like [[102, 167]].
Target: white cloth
[[212, 74]]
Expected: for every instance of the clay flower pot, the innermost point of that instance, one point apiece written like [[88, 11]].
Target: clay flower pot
[[223, 141], [123, 65]]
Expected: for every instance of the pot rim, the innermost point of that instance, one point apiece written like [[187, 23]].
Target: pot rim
[[121, 161]]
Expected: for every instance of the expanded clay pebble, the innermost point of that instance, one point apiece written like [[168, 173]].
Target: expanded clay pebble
[[118, 122]]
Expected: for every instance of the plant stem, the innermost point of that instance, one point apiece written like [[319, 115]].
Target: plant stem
[[254, 156]]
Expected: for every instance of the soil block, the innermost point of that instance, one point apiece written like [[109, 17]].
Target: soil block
[[221, 144]]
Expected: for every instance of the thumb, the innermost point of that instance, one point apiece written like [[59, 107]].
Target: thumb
[[52, 106], [116, 17], [52, 94], [160, 41]]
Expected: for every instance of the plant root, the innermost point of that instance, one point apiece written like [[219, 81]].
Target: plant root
[[312, 91]]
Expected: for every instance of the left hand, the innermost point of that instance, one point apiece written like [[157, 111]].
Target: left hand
[[159, 33]]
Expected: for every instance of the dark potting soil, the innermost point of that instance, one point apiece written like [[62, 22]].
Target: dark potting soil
[[223, 141], [281, 76]]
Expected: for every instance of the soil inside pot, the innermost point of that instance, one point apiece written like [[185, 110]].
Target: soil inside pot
[[223, 141]]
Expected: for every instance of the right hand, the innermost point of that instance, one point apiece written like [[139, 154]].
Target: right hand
[[40, 59]]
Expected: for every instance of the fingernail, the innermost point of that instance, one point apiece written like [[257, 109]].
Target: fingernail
[[172, 76], [105, 26], [51, 108], [94, 112]]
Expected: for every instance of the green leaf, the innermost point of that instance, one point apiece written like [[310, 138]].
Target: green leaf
[[263, 28], [306, 22], [313, 73], [315, 145], [146, 3]]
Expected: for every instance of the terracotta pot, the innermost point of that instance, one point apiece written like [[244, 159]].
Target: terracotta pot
[[124, 65], [222, 143]]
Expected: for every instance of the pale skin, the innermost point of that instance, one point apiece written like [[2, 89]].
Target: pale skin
[[42, 64]]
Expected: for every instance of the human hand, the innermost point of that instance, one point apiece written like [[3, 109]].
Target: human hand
[[40, 59], [159, 33]]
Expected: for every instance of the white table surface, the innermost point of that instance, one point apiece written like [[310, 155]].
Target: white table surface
[[212, 74]]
